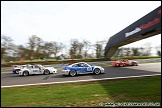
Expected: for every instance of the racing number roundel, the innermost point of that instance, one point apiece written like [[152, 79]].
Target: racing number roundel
[[89, 69]]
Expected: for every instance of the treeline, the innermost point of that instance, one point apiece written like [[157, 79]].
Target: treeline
[[37, 48], [138, 51]]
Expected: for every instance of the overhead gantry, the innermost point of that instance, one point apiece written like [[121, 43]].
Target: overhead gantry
[[147, 26]]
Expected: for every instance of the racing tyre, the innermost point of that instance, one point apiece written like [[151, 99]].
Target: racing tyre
[[25, 73], [135, 64], [72, 73], [121, 64], [17, 71], [97, 71], [46, 72]]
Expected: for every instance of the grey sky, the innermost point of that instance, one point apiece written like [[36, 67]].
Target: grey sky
[[62, 21]]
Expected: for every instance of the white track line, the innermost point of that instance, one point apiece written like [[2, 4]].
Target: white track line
[[77, 81]]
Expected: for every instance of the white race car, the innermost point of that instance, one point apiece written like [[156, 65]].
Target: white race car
[[36, 69]]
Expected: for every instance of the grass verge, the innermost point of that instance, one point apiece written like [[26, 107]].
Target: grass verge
[[84, 94]]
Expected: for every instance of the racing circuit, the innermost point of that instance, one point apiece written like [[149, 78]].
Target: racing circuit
[[147, 26], [149, 69]]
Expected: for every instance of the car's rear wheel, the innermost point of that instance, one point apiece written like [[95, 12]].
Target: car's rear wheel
[[121, 64], [17, 71], [25, 73], [72, 73], [97, 71], [46, 72]]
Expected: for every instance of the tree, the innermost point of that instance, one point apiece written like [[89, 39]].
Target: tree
[[159, 53], [22, 52], [99, 49], [117, 53], [74, 48], [128, 51], [87, 45], [147, 49], [35, 45], [53, 47], [80, 48], [135, 51], [58, 48], [48, 48], [158, 50]]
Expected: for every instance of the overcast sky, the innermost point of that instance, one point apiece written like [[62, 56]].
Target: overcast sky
[[62, 21]]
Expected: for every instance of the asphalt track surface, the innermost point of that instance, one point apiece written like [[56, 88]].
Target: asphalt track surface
[[10, 79]]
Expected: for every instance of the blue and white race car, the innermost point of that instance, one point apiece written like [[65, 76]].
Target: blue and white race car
[[81, 68]]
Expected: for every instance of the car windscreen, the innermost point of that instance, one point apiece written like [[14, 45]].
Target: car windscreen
[[23, 67]]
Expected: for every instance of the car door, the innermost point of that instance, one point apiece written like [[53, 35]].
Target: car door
[[126, 62], [129, 62], [87, 68], [35, 70], [80, 68]]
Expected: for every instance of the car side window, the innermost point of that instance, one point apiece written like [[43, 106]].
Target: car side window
[[36, 66], [75, 65], [85, 65], [80, 65], [29, 67]]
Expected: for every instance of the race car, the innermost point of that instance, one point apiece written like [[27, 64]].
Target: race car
[[16, 68], [124, 62], [36, 69], [81, 68]]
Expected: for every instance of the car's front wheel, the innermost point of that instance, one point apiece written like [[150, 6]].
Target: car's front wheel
[[46, 72], [25, 73], [135, 64], [97, 71], [72, 73]]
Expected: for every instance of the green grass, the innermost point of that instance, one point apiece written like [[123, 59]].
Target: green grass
[[146, 89]]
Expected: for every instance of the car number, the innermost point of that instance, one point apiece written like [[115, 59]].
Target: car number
[[89, 69], [35, 70]]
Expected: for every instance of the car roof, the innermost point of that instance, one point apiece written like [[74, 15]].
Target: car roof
[[80, 62], [77, 63], [15, 65]]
